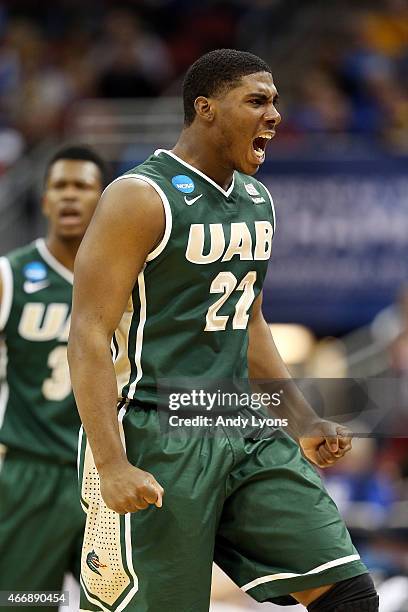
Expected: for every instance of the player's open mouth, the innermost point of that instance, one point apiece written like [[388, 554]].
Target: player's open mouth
[[259, 145], [70, 216]]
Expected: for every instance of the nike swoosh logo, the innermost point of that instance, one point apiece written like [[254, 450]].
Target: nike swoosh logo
[[190, 202], [30, 287]]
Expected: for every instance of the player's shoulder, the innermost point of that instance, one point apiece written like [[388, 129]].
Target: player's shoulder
[[22, 255], [145, 185], [138, 178], [156, 166], [21, 262], [163, 169], [31, 263]]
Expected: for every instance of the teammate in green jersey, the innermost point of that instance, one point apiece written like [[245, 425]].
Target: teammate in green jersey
[[41, 523], [171, 273]]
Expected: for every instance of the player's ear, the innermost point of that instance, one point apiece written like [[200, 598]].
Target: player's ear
[[44, 206], [204, 108]]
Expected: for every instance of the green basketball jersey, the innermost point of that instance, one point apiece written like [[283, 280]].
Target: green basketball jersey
[[188, 312], [37, 408]]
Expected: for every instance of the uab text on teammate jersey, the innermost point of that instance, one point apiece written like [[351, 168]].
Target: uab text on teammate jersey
[[37, 409]]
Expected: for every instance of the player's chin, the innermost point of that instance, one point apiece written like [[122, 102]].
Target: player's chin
[[248, 167], [70, 233]]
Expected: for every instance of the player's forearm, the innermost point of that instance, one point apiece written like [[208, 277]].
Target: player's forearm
[[95, 390], [265, 364]]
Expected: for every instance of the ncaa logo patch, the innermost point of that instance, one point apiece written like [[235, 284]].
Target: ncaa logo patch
[[35, 271], [183, 183]]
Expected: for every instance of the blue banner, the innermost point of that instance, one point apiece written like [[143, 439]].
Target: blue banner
[[340, 253]]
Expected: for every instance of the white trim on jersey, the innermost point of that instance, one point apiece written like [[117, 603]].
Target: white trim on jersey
[[89, 596], [204, 176], [114, 348], [167, 210], [4, 392], [4, 388], [4, 396], [123, 362], [53, 262], [289, 575], [7, 291], [128, 531], [139, 334], [80, 436], [272, 206]]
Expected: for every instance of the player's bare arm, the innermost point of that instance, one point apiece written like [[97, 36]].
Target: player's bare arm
[[128, 224], [322, 442]]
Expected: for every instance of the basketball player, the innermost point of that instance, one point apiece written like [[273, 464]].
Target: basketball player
[[174, 261], [41, 522]]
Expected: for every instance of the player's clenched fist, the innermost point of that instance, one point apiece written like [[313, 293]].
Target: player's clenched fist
[[126, 488], [325, 443]]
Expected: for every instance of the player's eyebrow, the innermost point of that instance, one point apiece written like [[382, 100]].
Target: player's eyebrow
[[258, 95], [263, 96]]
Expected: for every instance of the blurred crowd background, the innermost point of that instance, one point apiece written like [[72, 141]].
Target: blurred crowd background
[[109, 74], [342, 65]]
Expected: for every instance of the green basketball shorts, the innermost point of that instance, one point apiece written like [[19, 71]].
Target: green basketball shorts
[[41, 524], [255, 507]]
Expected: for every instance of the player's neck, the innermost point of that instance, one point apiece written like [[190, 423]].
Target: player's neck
[[63, 251], [195, 149]]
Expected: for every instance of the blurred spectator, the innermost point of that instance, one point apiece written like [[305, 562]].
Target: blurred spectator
[[201, 28], [355, 480], [35, 89], [11, 147], [321, 107], [370, 76], [263, 21], [132, 63], [387, 29]]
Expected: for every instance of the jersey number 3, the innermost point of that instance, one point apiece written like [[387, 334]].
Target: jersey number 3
[[226, 283], [58, 386]]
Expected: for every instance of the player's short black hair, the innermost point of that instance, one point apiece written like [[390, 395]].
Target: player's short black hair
[[78, 152], [215, 71]]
